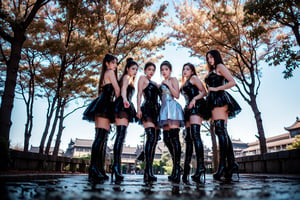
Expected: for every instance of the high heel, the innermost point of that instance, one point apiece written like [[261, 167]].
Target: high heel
[[118, 147], [231, 171], [200, 177]]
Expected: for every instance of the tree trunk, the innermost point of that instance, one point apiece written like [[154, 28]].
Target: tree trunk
[[29, 108], [260, 128], [297, 34], [60, 130], [48, 120], [53, 127], [9, 94]]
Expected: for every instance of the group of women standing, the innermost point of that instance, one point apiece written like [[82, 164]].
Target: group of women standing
[[160, 110]]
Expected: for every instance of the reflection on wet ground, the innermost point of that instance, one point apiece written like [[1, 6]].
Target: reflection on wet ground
[[250, 186]]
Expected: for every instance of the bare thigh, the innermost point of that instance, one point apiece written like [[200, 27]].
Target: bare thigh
[[148, 125], [195, 119], [101, 122], [122, 122], [220, 113]]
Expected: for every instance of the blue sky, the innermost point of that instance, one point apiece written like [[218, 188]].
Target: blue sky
[[278, 101]]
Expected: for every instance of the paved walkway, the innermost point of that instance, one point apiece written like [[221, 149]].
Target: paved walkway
[[52, 186]]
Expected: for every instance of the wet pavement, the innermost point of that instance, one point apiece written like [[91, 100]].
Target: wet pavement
[[250, 186]]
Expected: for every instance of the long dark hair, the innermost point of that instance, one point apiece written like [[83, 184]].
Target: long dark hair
[[217, 57], [192, 67], [129, 62], [107, 59]]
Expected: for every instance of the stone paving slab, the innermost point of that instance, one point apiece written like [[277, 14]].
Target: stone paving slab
[[250, 186]]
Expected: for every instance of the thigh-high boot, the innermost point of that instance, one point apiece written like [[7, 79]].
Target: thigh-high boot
[[188, 155], [149, 149], [220, 131], [174, 133], [168, 143], [200, 170], [118, 147], [96, 157]]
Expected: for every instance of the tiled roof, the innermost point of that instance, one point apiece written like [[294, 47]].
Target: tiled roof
[[83, 142], [296, 125]]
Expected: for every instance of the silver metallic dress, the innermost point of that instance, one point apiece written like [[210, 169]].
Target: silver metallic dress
[[170, 111]]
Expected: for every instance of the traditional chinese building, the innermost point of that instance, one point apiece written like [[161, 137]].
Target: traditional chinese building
[[275, 143]]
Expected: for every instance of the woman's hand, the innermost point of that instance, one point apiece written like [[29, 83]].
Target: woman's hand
[[212, 89], [192, 104], [139, 114], [126, 103]]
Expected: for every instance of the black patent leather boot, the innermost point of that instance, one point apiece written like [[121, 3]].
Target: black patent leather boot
[[232, 166], [149, 149], [220, 131], [102, 154], [96, 158], [174, 133], [188, 155], [169, 145], [118, 147], [200, 170]]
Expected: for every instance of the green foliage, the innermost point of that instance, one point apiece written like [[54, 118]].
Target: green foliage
[[295, 144]]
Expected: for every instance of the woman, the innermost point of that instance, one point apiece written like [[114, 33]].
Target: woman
[[171, 117], [222, 106], [101, 111], [194, 112], [148, 114], [124, 113]]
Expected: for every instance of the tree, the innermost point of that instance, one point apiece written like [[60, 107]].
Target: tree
[[295, 144], [285, 13], [15, 18], [219, 25]]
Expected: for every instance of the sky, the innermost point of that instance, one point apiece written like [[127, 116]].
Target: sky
[[278, 101]]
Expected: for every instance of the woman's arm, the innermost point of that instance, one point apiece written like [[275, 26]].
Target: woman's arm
[[139, 96], [125, 83], [114, 82]]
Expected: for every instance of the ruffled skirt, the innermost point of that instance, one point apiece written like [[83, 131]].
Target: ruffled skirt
[[100, 107], [150, 112], [171, 113], [122, 112], [199, 109], [220, 99]]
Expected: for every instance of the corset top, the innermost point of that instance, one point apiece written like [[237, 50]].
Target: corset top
[[165, 92], [214, 80], [189, 91], [151, 92], [107, 91]]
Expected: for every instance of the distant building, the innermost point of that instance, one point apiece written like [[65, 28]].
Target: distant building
[[275, 143], [37, 150], [238, 147], [79, 148]]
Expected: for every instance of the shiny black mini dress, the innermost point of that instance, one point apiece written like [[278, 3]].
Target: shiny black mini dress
[[189, 91], [150, 107], [122, 112], [102, 106], [220, 98]]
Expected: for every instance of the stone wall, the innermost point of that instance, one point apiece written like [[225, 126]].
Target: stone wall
[[282, 162], [20, 160]]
